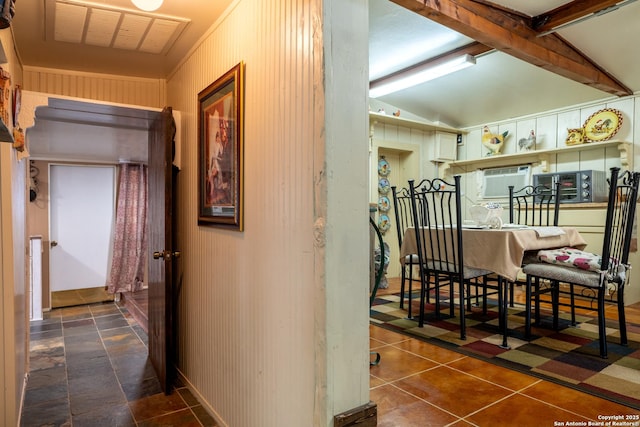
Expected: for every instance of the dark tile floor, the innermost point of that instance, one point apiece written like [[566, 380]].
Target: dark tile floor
[[89, 367]]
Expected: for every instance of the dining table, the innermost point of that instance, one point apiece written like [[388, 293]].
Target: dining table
[[501, 250]]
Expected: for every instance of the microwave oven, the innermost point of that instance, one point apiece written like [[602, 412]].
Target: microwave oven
[[576, 186]]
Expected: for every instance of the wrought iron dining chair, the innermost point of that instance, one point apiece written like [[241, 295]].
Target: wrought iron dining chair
[[404, 220], [534, 206], [436, 210], [607, 273]]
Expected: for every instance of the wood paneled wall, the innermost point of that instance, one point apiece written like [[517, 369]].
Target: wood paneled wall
[[273, 320], [102, 87]]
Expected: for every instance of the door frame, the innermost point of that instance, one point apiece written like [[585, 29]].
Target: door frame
[[32, 101]]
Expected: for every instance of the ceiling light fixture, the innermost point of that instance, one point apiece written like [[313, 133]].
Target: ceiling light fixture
[[417, 75], [147, 5]]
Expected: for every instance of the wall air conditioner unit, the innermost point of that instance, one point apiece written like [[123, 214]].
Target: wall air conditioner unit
[[496, 181]]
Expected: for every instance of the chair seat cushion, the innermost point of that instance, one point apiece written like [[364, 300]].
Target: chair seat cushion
[[570, 257], [449, 268], [563, 273]]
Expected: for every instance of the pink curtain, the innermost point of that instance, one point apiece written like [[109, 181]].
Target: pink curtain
[[130, 235]]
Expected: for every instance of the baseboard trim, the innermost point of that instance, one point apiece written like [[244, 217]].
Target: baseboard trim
[[201, 399]]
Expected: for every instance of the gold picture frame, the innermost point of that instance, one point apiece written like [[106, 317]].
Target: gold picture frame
[[220, 151]]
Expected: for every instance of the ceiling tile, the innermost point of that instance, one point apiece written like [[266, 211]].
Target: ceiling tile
[[159, 34], [102, 26], [131, 31], [69, 22]]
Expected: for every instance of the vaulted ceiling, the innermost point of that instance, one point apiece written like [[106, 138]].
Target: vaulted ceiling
[[531, 56]]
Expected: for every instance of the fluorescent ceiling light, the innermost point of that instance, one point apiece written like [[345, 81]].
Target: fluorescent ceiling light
[[416, 75], [148, 5]]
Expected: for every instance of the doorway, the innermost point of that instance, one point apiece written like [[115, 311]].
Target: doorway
[[81, 216], [84, 131]]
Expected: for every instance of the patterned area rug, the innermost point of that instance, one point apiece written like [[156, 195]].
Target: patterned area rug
[[569, 356]]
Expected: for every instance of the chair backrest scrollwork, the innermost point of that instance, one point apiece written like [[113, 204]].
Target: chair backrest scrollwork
[[534, 205]]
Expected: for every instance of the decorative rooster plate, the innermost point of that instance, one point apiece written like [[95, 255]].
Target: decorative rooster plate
[[383, 167], [383, 186], [602, 125]]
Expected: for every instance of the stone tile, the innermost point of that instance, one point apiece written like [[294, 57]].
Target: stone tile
[[52, 394], [429, 351], [81, 359], [95, 366], [442, 387], [398, 408], [111, 321], [136, 390], [122, 341], [115, 335], [36, 336], [46, 343], [184, 418], [43, 377], [188, 397], [498, 375], [133, 367], [103, 309], [80, 329], [80, 341], [399, 364], [94, 392], [46, 358], [45, 325], [518, 410], [573, 400], [119, 416], [56, 313], [204, 417], [47, 415], [72, 313], [68, 324], [142, 334], [156, 405]]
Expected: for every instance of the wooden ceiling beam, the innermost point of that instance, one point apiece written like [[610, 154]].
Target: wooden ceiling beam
[[569, 12], [511, 33]]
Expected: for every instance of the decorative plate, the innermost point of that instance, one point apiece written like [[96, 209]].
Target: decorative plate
[[602, 125], [383, 186], [383, 223], [383, 167], [383, 204]]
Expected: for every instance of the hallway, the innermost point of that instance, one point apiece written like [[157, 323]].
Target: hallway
[[89, 367]]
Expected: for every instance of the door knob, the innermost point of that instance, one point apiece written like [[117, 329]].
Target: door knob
[[166, 255], [54, 243]]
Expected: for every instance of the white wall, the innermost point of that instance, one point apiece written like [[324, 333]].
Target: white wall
[[274, 319]]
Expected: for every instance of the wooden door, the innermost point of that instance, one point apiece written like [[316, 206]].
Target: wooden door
[[162, 254]]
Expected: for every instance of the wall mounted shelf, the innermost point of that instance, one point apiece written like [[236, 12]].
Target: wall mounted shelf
[[413, 124], [541, 157]]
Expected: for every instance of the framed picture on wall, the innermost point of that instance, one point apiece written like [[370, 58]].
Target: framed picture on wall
[[220, 151]]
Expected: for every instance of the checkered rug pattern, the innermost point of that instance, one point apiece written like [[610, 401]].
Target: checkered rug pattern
[[569, 355]]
